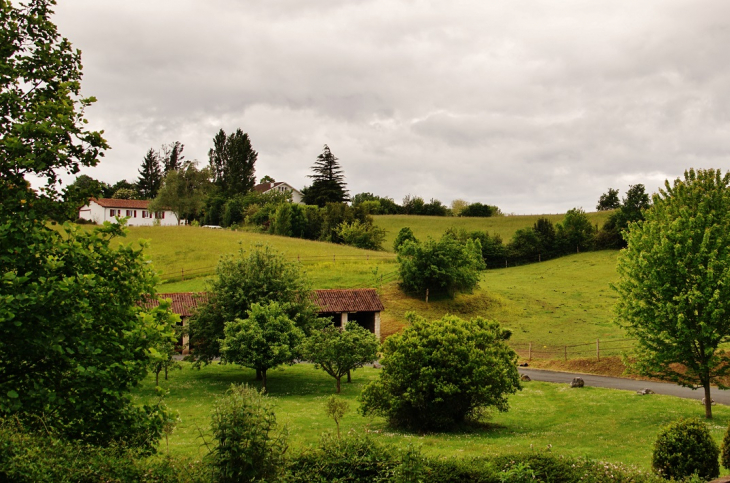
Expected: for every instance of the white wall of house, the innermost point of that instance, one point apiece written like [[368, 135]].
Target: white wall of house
[[135, 216]]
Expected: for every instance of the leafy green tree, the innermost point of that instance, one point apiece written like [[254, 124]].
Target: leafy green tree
[[150, 175], [673, 292], [437, 373], [608, 200], [184, 191], [258, 277], [267, 338], [525, 246], [73, 336], [413, 205], [338, 352], [405, 234], [42, 125], [576, 232], [328, 181], [232, 163], [125, 194], [457, 206], [631, 210], [336, 408], [443, 266], [87, 187]]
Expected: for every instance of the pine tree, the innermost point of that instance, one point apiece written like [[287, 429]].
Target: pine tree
[[328, 185], [150, 175]]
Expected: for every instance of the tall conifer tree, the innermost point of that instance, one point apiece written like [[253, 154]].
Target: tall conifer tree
[[150, 175], [232, 162], [328, 185]]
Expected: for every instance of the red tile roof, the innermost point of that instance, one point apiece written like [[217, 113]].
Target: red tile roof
[[264, 187], [354, 300], [334, 300], [113, 203], [183, 303]]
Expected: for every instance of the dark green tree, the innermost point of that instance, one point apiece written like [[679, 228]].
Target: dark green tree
[[260, 276], [232, 161], [437, 373], [405, 234], [674, 295], [631, 211], [338, 352], [328, 181], [477, 209], [608, 200], [150, 175], [74, 336]]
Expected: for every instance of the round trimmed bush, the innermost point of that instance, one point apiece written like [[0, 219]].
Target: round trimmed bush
[[683, 448]]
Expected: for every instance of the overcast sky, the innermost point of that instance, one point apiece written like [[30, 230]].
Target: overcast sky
[[536, 106]]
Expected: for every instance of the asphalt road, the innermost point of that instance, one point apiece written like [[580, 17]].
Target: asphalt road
[[720, 397]]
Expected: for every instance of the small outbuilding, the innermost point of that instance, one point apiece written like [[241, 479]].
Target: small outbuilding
[[361, 306]]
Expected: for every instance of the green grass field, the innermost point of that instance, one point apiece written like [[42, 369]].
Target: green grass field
[[601, 424]]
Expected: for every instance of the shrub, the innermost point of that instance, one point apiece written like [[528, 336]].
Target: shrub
[[437, 373], [361, 235], [354, 457], [683, 448], [444, 266], [246, 449]]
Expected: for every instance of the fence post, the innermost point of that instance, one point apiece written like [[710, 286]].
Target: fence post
[[182, 274], [333, 259], [565, 353], [598, 349], [298, 259], [505, 263], [529, 352], [426, 295]]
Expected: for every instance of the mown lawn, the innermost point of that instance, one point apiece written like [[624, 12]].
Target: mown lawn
[[602, 424]]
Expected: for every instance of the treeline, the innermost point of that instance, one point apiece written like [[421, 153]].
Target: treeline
[[546, 240], [415, 205]]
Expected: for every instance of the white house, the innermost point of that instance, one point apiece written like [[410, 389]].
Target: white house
[[281, 187], [136, 211]]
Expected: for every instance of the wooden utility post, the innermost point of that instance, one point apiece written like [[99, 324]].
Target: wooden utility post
[[529, 352], [426, 295], [598, 349]]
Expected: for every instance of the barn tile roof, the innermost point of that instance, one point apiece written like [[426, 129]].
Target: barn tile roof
[[183, 303], [114, 203], [334, 300], [354, 300]]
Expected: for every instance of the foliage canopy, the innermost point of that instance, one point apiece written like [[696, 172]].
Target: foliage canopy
[[674, 290]]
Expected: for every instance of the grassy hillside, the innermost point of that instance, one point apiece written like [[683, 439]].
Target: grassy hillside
[[559, 302], [435, 226], [554, 303]]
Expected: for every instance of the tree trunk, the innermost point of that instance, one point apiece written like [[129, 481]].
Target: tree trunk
[[349, 378], [263, 381], [338, 384], [157, 377], [166, 372], [708, 401], [258, 374]]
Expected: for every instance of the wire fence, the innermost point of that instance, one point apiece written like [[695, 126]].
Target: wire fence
[[598, 349]]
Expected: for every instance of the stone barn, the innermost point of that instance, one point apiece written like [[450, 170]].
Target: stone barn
[[361, 306]]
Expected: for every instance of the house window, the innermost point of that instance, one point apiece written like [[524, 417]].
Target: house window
[[112, 212], [135, 213], [129, 212], [144, 214]]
